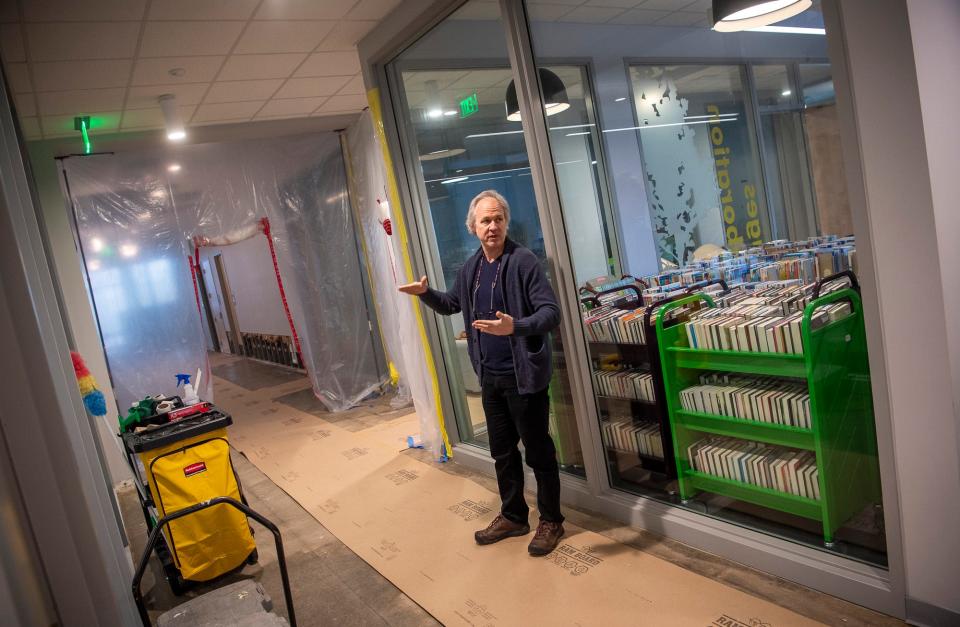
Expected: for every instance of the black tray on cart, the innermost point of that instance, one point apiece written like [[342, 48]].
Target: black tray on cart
[[182, 429]]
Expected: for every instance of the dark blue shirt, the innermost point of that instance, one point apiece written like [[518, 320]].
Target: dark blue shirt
[[495, 353]]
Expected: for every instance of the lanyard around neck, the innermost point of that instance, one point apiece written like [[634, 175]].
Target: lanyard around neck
[[496, 278]]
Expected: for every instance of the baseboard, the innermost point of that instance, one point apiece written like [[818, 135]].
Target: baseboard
[[923, 614]]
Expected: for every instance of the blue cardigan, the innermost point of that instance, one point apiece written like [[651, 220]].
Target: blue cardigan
[[527, 296]]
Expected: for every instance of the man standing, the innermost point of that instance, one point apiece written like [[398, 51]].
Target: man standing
[[509, 310]]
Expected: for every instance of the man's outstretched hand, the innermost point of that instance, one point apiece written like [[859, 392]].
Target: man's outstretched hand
[[416, 288], [503, 325]]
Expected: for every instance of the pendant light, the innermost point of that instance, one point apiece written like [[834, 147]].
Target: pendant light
[[737, 15], [554, 96]]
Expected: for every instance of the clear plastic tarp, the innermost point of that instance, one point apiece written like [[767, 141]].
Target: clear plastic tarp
[[397, 312], [139, 215]]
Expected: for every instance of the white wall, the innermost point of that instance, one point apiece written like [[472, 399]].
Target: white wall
[[935, 25], [66, 264], [254, 285], [888, 135]]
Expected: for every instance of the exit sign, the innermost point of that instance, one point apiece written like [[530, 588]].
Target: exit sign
[[469, 105]]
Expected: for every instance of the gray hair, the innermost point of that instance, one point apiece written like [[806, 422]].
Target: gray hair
[[472, 211]]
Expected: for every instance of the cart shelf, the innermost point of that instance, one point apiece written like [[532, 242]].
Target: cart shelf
[[764, 364], [781, 435], [774, 499]]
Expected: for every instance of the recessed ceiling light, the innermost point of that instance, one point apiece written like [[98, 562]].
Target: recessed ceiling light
[[785, 92], [434, 113], [456, 179], [620, 99], [96, 244], [173, 167], [93, 265], [450, 112], [177, 72], [128, 250]]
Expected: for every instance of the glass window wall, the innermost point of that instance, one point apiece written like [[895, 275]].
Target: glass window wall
[[460, 138], [715, 156]]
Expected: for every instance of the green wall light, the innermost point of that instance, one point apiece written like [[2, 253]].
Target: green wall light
[[82, 124]]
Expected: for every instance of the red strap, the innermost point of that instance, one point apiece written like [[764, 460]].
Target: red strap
[[193, 274], [265, 224]]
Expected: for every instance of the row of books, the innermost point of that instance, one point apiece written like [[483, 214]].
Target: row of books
[[631, 383], [778, 468], [633, 437], [758, 331], [623, 326], [762, 399]]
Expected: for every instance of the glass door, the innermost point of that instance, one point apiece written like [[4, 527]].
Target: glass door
[[459, 138]]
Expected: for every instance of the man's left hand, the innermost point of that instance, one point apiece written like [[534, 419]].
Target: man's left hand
[[503, 325]]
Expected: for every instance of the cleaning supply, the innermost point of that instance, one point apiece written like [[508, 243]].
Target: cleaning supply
[[93, 398], [190, 396]]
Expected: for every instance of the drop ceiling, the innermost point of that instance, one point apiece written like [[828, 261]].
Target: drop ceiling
[[226, 61]]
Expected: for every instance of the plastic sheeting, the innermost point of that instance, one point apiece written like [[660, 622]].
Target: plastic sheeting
[[396, 311], [138, 215]]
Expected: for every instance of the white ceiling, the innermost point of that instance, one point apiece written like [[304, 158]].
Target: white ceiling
[[659, 12], [241, 60]]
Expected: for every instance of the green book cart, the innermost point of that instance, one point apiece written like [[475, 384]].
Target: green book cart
[[842, 434]]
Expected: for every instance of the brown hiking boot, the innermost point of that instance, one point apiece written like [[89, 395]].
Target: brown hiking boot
[[546, 539], [499, 529]]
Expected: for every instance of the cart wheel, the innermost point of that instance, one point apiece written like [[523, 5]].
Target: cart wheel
[[177, 585], [253, 558]]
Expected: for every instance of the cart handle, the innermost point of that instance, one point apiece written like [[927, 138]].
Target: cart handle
[[702, 284], [220, 500], [833, 277]]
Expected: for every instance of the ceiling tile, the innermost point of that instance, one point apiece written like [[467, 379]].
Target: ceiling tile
[[30, 128], [72, 41], [663, 5], [74, 11], [353, 86], [304, 9], [680, 18], [330, 64], [167, 39], [60, 125], [11, 44], [63, 75], [202, 9], [151, 118], [312, 87], [80, 101], [226, 111], [345, 103], [543, 12], [18, 75], [157, 71], [346, 34], [372, 9], [240, 91], [703, 6], [255, 66], [147, 97], [620, 4], [639, 16], [591, 15], [478, 10], [9, 11], [26, 105], [290, 107], [277, 36]]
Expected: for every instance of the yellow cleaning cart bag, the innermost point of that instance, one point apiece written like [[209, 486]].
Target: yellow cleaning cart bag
[[213, 541]]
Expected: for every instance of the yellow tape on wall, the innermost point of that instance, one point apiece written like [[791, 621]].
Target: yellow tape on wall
[[373, 99]]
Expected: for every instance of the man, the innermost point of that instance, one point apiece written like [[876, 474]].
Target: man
[[508, 310]]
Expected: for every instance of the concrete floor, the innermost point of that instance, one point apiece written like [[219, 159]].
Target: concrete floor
[[332, 585]]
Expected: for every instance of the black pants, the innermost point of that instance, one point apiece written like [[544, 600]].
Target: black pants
[[513, 417]]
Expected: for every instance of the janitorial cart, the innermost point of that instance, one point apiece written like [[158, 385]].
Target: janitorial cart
[[180, 457]]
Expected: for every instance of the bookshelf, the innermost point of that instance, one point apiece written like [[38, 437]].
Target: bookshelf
[[647, 357], [842, 434]]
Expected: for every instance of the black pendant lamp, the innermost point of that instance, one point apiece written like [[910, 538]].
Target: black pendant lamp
[[736, 15], [554, 96]]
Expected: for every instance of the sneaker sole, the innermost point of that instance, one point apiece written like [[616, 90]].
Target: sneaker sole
[[541, 552], [512, 534]]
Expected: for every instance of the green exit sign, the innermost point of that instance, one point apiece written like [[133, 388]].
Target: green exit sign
[[469, 105]]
